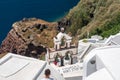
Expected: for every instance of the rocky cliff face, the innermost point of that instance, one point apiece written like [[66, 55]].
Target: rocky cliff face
[[29, 37]]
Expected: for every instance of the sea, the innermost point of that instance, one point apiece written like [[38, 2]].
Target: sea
[[15, 10]]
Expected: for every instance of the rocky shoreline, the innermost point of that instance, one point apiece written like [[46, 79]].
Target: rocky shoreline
[[29, 37]]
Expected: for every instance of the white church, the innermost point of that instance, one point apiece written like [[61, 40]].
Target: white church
[[58, 39]]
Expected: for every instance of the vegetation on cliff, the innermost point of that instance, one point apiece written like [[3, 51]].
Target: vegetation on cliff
[[31, 36], [100, 17]]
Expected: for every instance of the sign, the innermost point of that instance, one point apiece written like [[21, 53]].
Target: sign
[[70, 68]]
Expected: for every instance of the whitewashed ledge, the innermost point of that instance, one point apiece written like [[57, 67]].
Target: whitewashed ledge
[[16, 67]]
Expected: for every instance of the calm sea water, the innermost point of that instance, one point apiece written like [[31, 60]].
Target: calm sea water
[[15, 10]]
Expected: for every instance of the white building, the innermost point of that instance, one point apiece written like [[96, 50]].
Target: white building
[[85, 47], [16, 67], [58, 40], [113, 40], [97, 37], [70, 72], [102, 64]]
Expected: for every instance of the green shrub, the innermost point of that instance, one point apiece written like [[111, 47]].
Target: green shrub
[[109, 28]]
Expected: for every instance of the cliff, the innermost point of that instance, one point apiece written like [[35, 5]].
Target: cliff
[[100, 17], [29, 37]]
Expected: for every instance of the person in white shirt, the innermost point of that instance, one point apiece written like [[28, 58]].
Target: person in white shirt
[[47, 75]]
